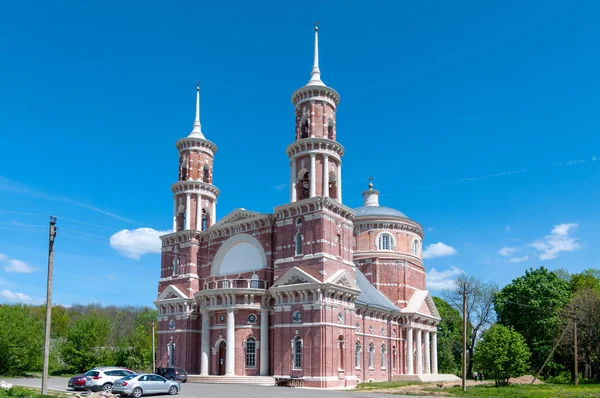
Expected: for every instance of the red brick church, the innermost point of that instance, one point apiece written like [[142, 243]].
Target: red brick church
[[315, 291]]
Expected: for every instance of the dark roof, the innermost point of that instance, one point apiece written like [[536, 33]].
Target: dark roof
[[369, 295], [366, 211]]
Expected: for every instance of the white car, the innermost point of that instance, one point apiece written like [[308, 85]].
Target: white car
[[102, 378], [142, 384]]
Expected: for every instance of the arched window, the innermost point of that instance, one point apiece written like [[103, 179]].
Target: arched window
[[339, 244], [385, 242], [204, 220], [205, 174], [394, 355], [383, 352], [251, 352], [306, 185], [298, 243], [341, 344], [304, 127], [330, 127], [298, 353], [254, 282], [357, 354], [415, 247], [371, 355]]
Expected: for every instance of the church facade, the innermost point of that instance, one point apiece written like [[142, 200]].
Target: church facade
[[315, 291]]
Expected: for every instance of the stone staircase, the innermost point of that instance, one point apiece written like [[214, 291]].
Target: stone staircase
[[256, 380]]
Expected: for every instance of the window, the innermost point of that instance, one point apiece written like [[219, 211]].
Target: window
[[205, 174], [175, 266], [394, 355], [298, 242], [385, 242], [383, 352], [341, 344], [357, 355], [297, 353], [371, 355], [338, 239], [304, 129], [415, 247], [251, 352], [330, 129], [204, 220]]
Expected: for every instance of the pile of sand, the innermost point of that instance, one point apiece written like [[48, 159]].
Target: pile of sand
[[527, 379]]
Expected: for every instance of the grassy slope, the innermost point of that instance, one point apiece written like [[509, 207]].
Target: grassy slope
[[529, 391]]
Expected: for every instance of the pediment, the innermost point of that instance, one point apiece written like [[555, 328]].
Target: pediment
[[237, 215], [171, 292], [295, 276], [422, 303], [342, 278]]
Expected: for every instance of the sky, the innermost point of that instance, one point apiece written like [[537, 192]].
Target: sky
[[478, 120]]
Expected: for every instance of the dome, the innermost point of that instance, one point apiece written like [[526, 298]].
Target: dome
[[371, 206], [367, 211]]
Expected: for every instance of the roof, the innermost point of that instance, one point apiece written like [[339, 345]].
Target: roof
[[366, 211], [371, 296]]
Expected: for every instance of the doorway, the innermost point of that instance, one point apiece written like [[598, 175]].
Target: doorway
[[222, 352]]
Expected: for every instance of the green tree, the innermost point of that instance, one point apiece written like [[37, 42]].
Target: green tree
[[588, 279], [449, 337], [502, 353], [85, 346], [531, 305], [21, 340]]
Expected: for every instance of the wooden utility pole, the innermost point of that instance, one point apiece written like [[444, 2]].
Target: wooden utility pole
[[464, 342], [575, 349], [52, 235], [153, 350]]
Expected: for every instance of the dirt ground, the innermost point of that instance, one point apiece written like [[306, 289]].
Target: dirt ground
[[420, 389]]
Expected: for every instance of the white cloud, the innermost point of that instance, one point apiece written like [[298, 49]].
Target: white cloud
[[430, 229], [7, 295], [442, 280], [507, 251], [16, 265], [280, 187], [558, 241], [111, 277], [518, 259], [507, 228], [438, 250], [135, 243]]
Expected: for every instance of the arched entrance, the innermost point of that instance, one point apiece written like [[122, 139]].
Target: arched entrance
[[221, 358]]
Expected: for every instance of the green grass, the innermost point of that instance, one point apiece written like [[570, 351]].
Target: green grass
[[529, 391], [384, 384]]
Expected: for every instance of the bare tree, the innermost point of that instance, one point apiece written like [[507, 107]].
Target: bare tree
[[480, 308]]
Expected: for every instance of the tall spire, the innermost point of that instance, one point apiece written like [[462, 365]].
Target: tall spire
[[315, 75], [197, 130]]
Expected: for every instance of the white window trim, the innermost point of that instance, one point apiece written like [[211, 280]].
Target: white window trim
[[392, 242]]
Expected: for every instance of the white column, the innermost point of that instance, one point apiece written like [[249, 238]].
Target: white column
[[188, 213], [175, 213], [199, 212], [409, 352], [427, 354], [434, 363], [264, 342], [419, 352], [293, 181], [213, 213], [205, 346], [313, 179], [339, 183], [230, 336], [325, 176]]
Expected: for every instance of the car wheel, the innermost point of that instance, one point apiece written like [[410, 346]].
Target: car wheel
[[173, 390], [137, 393], [107, 388], [184, 381]]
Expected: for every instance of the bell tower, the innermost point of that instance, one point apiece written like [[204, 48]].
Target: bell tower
[[194, 195], [315, 155]]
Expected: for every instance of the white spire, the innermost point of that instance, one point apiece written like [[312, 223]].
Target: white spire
[[197, 130], [315, 75], [371, 196]]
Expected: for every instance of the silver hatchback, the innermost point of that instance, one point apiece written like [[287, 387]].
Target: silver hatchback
[[142, 384]]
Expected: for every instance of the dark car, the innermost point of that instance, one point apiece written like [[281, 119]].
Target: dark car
[[173, 374]]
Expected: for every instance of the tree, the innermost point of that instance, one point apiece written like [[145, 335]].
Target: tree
[[588, 279], [531, 305], [86, 342], [480, 308], [21, 340], [449, 337], [503, 353]]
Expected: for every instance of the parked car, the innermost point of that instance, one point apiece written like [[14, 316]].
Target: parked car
[[173, 374], [77, 382], [138, 385], [102, 378]]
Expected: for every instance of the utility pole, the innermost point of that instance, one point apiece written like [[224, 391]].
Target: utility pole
[[153, 351], [464, 336], [52, 235], [575, 349]]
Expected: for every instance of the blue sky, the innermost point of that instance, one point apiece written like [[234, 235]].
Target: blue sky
[[477, 119]]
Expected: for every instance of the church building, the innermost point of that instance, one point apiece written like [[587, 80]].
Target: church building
[[316, 291]]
